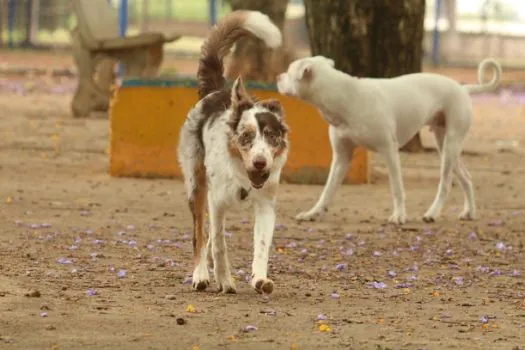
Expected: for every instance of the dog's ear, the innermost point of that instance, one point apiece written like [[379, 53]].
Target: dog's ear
[[305, 72], [239, 92], [273, 106]]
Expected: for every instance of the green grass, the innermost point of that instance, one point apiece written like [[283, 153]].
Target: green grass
[[183, 10]]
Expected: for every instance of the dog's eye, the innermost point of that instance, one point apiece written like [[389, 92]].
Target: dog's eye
[[245, 138]]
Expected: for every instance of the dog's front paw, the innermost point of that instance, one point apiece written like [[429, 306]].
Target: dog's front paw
[[430, 217], [262, 285], [226, 285], [201, 278], [310, 215], [467, 215], [397, 218]]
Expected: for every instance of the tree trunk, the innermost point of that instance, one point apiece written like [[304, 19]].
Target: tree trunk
[[49, 15], [251, 58], [368, 38]]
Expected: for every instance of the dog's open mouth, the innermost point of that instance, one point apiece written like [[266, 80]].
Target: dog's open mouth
[[258, 178]]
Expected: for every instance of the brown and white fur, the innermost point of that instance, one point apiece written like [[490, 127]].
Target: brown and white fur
[[383, 115], [232, 149]]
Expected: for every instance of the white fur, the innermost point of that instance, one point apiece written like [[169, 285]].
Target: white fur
[[226, 176], [384, 114], [262, 27]]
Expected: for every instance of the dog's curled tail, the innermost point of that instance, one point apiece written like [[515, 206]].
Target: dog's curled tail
[[223, 36], [482, 86]]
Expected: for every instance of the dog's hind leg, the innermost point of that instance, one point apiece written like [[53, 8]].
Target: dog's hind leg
[[221, 265], [450, 151], [463, 176], [197, 202], [341, 156]]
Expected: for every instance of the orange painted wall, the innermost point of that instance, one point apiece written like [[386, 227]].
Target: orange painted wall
[[145, 123]]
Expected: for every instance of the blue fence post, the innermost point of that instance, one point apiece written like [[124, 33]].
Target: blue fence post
[[123, 27], [213, 12], [11, 10], [435, 35]]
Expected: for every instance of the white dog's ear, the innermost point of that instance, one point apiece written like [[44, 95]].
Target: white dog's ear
[[305, 72], [239, 92]]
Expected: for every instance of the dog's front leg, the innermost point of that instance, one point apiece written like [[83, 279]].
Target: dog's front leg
[[393, 163], [219, 251], [262, 240], [341, 158]]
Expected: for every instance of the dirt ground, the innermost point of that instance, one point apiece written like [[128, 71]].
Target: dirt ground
[[93, 262]]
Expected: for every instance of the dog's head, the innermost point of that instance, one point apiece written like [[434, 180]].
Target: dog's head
[[258, 133], [296, 80]]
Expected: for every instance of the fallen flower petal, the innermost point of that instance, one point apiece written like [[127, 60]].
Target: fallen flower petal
[[250, 328]]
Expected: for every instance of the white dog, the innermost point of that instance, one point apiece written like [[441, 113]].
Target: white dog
[[384, 114], [232, 149]]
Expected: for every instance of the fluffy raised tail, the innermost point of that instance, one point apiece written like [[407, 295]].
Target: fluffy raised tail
[[491, 85], [223, 36]]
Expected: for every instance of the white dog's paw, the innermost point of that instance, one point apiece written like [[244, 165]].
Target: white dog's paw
[[226, 285], [429, 217], [397, 218], [310, 215], [467, 215], [201, 278], [262, 285]]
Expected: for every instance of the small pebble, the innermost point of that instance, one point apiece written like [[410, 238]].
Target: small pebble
[[33, 293], [170, 297], [181, 321]]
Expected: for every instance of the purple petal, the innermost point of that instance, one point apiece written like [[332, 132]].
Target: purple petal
[[91, 292], [250, 328], [335, 296], [484, 319], [377, 285], [473, 235], [228, 234], [349, 252], [121, 273], [43, 314], [321, 317], [404, 285], [349, 236], [458, 280], [73, 247], [449, 252], [64, 261], [392, 274], [340, 267], [376, 253], [500, 246], [515, 273], [291, 245], [483, 269], [496, 272], [411, 278]]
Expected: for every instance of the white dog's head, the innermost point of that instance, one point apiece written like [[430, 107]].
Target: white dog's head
[[258, 133], [300, 74]]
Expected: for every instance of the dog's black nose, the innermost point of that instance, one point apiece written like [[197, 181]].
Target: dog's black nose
[[259, 163]]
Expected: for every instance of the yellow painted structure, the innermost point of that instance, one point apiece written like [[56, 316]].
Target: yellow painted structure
[[146, 117]]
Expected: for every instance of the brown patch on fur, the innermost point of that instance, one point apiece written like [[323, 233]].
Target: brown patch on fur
[[217, 45], [197, 205], [273, 106]]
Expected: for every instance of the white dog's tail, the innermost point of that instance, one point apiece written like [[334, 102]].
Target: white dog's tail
[[491, 85], [223, 36]]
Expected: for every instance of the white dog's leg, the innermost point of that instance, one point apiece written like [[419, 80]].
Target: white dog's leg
[[341, 157], [393, 163], [221, 264], [465, 180], [262, 240], [449, 161]]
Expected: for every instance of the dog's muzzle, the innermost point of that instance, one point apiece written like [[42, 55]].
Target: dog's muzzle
[[258, 178]]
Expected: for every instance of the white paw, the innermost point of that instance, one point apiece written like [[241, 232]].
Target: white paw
[[397, 218], [225, 284], [467, 215], [310, 215], [262, 285], [429, 217], [201, 278]]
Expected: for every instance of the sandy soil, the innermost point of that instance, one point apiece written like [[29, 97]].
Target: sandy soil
[[94, 262]]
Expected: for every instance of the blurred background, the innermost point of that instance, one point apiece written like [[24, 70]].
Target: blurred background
[[467, 30]]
